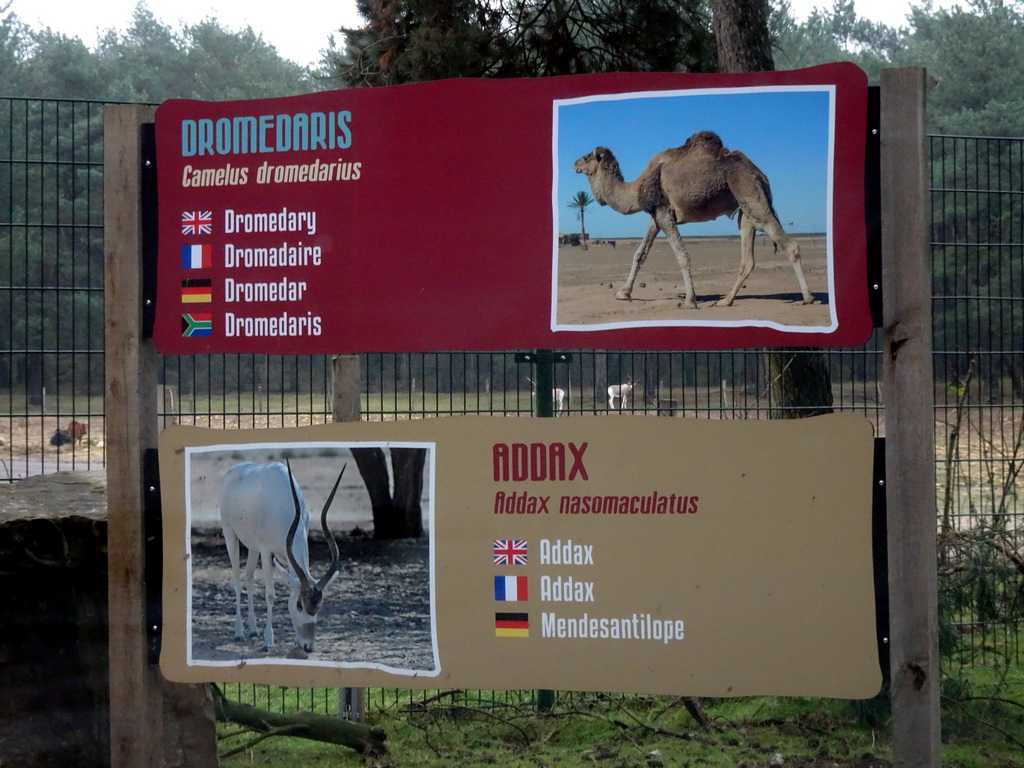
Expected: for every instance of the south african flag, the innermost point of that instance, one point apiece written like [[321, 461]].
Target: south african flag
[[197, 324]]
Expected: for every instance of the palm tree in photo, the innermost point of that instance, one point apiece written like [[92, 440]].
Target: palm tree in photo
[[580, 203]]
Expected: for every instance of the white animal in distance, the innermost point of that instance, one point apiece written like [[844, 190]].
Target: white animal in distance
[[262, 507], [620, 392], [559, 397]]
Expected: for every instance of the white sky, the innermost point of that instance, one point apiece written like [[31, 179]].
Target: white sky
[[299, 29]]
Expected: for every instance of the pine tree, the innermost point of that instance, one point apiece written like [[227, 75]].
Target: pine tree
[[407, 41]]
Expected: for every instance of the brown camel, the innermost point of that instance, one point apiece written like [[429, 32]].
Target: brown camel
[[698, 181]]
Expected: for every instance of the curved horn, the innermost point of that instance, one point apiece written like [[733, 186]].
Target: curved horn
[[335, 554], [289, 542]]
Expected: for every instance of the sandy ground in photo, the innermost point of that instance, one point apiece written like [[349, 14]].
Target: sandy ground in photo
[[376, 613], [588, 280]]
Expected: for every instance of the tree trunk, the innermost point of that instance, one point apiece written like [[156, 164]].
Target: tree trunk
[[741, 34], [408, 464], [189, 727], [54, 611], [398, 516], [799, 383], [798, 380], [395, 516], [54, 694], [373, 467]]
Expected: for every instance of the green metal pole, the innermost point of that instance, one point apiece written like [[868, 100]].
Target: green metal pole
[[543, 383], [543, 407]]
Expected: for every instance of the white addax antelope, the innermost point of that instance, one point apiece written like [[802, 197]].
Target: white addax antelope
[[262, 507], [559, 397], [620, 392]]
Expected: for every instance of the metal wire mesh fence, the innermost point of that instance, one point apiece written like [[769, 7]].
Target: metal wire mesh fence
[[330, 701], [978, 265], [261, 390], [51, 285], [51, 356]]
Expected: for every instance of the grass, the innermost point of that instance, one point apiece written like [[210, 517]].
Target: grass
[[983, 727]]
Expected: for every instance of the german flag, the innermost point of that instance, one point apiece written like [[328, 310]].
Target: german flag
[[197, 291], [512, 624]]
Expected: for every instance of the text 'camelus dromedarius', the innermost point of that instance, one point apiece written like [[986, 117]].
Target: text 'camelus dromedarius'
[[698, 181]]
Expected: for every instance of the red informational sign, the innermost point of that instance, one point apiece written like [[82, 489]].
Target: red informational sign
[[620, 211]]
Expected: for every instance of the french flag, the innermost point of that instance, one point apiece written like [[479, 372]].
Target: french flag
[[510, 589], [196, 256]]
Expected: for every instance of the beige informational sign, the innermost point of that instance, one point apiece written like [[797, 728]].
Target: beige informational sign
[[614, 553]]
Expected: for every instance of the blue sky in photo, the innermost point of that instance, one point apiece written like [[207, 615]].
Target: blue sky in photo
[[785, 132]]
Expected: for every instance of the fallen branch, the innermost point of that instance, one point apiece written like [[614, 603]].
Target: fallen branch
[[306, 725], [692, 706], [436, 697], [984, 722], [286, 731], [696, 711]]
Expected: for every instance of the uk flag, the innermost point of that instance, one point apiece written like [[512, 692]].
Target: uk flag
[[197, 223], [510, 552]]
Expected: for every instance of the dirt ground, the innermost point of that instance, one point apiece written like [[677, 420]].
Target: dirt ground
[[25, 448], [588, 280], [375, 614]]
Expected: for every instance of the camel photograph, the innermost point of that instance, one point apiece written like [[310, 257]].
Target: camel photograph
[[718, 204]]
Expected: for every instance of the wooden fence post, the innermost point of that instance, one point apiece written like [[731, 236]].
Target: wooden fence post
[[909, 421], [136, 702], [141, 702], [346, 386]]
